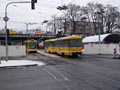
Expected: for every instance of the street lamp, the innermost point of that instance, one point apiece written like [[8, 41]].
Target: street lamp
[[64, 7], [6, 20], [84, 21], [99, 30], [45, 21]]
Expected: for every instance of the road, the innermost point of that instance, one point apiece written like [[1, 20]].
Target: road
[[91, 72]]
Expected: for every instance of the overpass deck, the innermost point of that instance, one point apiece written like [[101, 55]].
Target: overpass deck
[[26, 36]]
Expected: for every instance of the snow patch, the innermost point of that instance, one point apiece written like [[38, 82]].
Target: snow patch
[[19, 63]]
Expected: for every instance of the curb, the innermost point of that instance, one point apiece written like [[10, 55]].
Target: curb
[[19, 66]]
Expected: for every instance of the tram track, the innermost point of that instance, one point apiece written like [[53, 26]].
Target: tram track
[[57, 63], [96, 73]]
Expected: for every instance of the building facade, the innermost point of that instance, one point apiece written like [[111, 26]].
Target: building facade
[[79, 28]]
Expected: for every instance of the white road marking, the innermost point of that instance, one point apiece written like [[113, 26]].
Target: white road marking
[[46, 54], [57, 79], [65, 78]]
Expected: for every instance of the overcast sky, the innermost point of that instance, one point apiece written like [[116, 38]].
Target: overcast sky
[[44, 9]]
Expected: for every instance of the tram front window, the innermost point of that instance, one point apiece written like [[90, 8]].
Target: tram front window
[[32, 45]]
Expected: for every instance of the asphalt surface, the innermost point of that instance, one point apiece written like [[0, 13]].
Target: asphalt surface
[[89, 72]]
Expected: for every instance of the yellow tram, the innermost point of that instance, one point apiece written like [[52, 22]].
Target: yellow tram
[[31, 45], [69, 46]]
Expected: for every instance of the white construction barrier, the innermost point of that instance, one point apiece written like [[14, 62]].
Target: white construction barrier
[[105, 48], [18, 50]]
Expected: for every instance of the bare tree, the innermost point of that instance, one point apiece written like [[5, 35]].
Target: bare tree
[[104, 18], [111, 18], [86, 14], [73, 14], [56, 24], [91, 11]]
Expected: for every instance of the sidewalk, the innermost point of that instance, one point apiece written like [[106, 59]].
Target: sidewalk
[[46, 54], [109, 56], [94, 55]]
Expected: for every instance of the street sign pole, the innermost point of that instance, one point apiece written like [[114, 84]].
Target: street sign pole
[[6, 42], [6, 19]]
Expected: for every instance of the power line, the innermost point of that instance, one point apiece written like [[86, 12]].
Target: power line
[[52, 6], [20, 22], [49, 2]]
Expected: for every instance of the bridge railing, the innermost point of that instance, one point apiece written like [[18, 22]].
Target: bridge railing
[[28, 35]]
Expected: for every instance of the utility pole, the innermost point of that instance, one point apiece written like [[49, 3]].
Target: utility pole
[[26, 26], [54, 26], [99, 30], [65, 26]]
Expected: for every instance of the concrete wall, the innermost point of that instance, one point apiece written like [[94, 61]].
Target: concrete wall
[[19, 50], [105, 48]]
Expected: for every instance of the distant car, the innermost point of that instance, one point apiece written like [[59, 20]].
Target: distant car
[[41, 45]]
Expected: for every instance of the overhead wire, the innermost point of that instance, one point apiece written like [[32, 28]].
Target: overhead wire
[[34, 10], [48, 2], [43, 5]]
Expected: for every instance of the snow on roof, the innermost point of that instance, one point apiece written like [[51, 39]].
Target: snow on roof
[[95, 39]]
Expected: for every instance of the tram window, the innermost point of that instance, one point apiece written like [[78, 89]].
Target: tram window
[[67, 43], [76, 42], [47, 44], [51, 43], [57, 43], [62, 43], [32, 45]]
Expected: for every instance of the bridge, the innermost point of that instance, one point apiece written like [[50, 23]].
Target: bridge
[[27, 36]]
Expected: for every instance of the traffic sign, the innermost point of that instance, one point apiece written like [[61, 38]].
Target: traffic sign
[[5, 18]]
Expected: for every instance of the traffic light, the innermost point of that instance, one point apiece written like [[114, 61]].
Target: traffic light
[[35, 1], [33, 4]]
